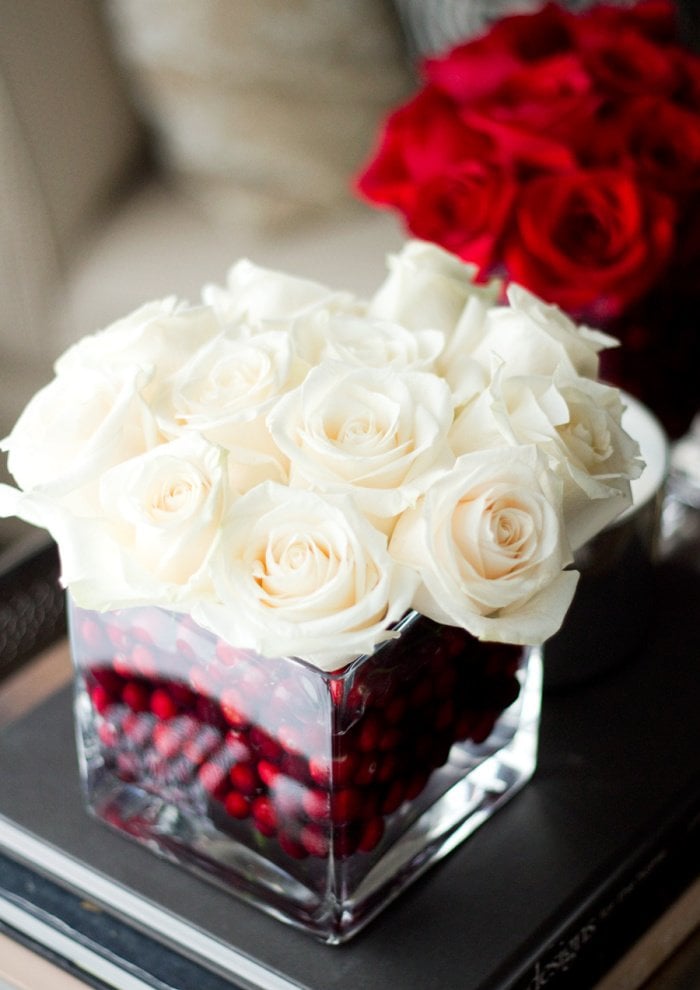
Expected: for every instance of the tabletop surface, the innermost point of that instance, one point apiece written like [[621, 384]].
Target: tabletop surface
[[21, 969]]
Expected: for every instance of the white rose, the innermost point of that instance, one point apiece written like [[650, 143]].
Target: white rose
[[159, 337], [247, 468], [365, 342], [161, 515], [227, 388], [576, 422], [532, 337], [466, 374], [259, 296], [489, 542], [302, 575], [375, 434], [428, 288], [75, 428]]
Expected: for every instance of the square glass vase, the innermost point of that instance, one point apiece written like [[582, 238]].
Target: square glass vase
[[316, 796]]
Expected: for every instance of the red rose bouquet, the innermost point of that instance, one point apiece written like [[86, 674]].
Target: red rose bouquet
[[562, 151]]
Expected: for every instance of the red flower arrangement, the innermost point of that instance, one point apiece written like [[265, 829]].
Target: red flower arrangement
[[562, 151]]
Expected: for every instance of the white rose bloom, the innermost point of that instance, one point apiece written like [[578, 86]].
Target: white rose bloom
[[227, 388], [302, 575], [247, 468], [258, 296], [161, 514], [365, 342], [375, 434], [428, 288], [77, 427], [576, 422], [489, 542], [466, 374], [532, 337], [159, 337]]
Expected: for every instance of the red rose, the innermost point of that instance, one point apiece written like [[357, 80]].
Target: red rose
[[655, 139], [688, 94], [520, 150], [540, 93], [419, 141], [654, 19], [479, 67], [539, 115], [623, 61], [591, 241], [465, 209]]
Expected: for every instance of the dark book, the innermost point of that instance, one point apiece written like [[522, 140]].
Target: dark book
[[32, 603], [549, 892]]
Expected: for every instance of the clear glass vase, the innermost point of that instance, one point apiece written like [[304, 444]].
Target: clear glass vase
[[316, 796]]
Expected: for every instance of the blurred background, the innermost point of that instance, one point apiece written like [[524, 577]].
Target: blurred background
[[145, 145]]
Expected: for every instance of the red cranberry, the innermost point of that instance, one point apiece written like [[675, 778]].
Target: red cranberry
[[268, 772], [137, 727], [394, 797], [237, 747], [264, 744], [371, 834], [395, 710], [291, 846], [315, 840], [101, 698], [136, 696], [367, 770], [108, 734], [391, 765], [237, 805], [123, 665], [226, 654], [108, 678], [201, 681], [234, 708], [389, 739], [91, 632], [166, 739], [444, 715], [128, 766], [213, 776], [346, 804], [316, 804], [244, 778], [198, 748], [415, 784], [264, 815], [369, 732], [294, 765], [345, 840], [163, 705], [116, 636], [291, 738], [422, 693], [144, 661]]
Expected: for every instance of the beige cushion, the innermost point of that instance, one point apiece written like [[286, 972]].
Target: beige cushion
[[68, 138], [70, 106], [156, 244], [264, 109], [80, 247]]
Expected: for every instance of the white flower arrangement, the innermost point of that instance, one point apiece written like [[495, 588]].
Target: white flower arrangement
[[297, 467]]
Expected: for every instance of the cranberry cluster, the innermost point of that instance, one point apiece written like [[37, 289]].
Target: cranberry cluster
[[273, 751]]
